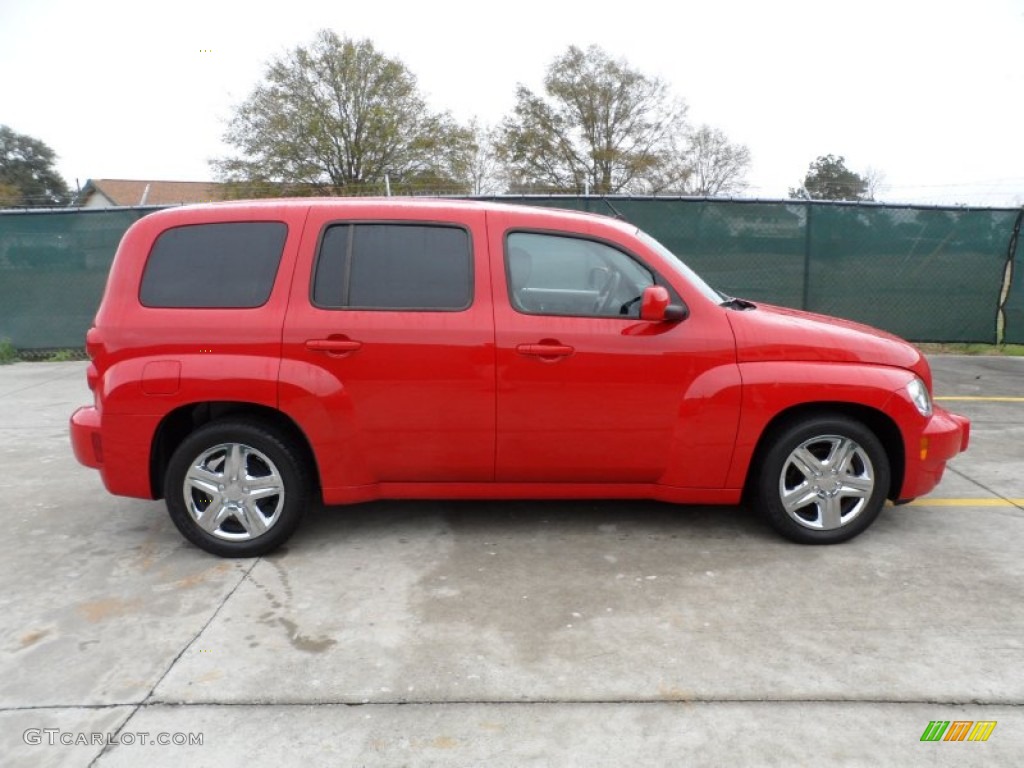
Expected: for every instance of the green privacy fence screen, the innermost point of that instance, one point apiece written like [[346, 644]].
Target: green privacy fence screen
[[928, 274], [924, 273], [53, 266]]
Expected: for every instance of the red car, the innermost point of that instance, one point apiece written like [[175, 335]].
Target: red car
[[250, 357]]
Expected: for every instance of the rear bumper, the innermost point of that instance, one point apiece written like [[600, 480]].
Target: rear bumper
[[946, 435], [85, 437], [118, 446]]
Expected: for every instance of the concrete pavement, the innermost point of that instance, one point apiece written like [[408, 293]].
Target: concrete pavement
[[514, 633]]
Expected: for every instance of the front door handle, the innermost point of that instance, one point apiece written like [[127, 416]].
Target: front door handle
[[545, 350], [333, 346]]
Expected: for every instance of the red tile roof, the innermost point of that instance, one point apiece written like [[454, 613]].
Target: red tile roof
[[133, 191]]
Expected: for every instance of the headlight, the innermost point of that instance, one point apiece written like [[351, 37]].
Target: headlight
[[919, 394]]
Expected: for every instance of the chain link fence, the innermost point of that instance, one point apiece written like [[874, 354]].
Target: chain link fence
[[924, 273]]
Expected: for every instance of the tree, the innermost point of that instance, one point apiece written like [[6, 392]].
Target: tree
[[485, 173], [27, 175], [874, 180], [828, 178], [714, 166], [599, 124], [339, 117]]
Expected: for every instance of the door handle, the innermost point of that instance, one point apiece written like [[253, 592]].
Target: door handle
[[545, 350], [333, 346]]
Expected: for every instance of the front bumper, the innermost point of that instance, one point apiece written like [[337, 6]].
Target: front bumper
[[946, 435]]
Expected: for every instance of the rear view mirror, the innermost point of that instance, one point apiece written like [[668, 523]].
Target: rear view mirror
[[655, 307]]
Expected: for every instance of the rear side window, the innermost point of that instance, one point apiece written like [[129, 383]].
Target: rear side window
[[229, 265], [394, 266]]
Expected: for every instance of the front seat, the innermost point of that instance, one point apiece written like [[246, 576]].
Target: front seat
[[520, 267]]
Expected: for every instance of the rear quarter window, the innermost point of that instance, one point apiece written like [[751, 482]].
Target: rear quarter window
[[223, 265]]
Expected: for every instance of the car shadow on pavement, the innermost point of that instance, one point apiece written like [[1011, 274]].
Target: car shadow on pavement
[[525, 519]]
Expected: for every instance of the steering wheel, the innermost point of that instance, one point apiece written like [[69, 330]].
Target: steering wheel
[[604, 298], [624, 309]]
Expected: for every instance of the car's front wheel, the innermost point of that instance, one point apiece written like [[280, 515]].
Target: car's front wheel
[[823, 480], [237, 488]]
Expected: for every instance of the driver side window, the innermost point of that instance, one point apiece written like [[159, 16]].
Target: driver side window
[[565, 275]]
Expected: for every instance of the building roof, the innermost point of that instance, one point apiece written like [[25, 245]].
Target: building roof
[[151, 192]]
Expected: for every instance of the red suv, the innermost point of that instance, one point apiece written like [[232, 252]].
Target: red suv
[[250, 357]]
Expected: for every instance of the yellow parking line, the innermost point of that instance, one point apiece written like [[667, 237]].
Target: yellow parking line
[[987, 502], [983, 399]]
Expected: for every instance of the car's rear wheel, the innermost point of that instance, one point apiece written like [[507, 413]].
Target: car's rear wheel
[[237, 488], [823, 480]]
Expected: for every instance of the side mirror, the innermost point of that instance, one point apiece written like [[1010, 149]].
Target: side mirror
[[655, 307]]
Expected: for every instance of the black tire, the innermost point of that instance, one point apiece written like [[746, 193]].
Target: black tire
[[802, 492], [250, 479]]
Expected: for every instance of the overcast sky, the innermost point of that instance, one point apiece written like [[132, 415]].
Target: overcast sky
[[929, 94]]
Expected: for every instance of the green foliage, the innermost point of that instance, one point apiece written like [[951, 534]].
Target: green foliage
[[952, 348], [63, 356], [27, 175], [599, 124], [8, 354], [828, 178], [338, 117]]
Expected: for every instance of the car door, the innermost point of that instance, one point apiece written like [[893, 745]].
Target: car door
[[588, 392], [388, 349]]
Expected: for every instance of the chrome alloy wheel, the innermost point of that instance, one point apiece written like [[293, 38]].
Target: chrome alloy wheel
[[234, 492], [826, 482]]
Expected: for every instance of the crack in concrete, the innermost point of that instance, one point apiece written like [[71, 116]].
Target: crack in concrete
[[63, 707], [597, 702], [174, 661], [159, 704], [985, 488]]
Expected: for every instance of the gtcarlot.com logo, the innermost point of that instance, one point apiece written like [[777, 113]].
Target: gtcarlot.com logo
[[55, 736], [958, 730]]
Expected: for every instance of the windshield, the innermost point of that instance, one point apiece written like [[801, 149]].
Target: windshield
[[681, 269]]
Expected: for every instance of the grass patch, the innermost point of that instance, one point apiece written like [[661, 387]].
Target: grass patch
[[958, 348], [63, 356], [8, 354], [52, 355]]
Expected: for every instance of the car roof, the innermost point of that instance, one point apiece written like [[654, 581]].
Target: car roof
[[380, 206]]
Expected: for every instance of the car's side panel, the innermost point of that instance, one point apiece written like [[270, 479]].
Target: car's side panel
[[499, 490], [459, 404], [413, 400], [131, 386], [772, 388], [616, 408], [705, 433], [149, 361], [133, 414]]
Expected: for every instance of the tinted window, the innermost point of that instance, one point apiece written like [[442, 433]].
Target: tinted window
[[214, 265], [394, 266], [558, 275]]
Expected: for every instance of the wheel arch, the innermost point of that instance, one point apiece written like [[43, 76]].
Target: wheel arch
[[178, 424], [883, 427]]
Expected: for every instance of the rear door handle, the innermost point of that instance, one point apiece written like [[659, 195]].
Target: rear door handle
[[545, 350], [334, 346]]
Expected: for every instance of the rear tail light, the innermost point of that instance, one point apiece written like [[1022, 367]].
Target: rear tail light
[[94, 347], [93, 343]]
